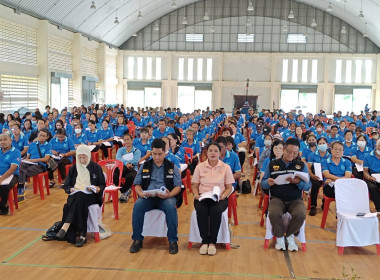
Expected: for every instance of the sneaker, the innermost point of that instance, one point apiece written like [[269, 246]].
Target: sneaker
[[51, 184], [136, 246], [123, 198], [280, 243], [292, 245], [211, 250], [173, 248], [128, 194], [313, 211], [203, 249]]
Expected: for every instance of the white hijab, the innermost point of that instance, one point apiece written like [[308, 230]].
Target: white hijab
[[83, 178]]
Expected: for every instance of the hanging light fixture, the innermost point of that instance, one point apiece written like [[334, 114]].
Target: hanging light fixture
[[250, 7], [291, 13], [139, 16], [285, 26], [212, 29], [361, 15], [206, 17], [314, 22], [248, 23], [174, 5], [365, 35], [134, 34], [93, 7], [184, 21], [329, 8], [344, 30], [156, 27], [116, 20]]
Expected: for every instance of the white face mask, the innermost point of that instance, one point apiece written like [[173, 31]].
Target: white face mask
[[319, 129], [361, 144], [267, 142], [378, 152], [78, 130]]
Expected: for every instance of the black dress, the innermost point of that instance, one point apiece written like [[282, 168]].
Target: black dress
[[75, 211]]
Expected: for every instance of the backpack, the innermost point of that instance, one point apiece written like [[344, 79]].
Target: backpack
[[246, 187], [51, 233]]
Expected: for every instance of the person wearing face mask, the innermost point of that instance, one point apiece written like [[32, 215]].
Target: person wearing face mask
[[349, 145], [373, 139], [358, 157], [319, 131], [78, 136], [314, 159], [82, 175], [334, 168], [371, 166], [342, 128], [290, 132], [308, 148]]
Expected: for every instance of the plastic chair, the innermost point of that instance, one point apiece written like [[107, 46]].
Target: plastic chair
[[67, 168], [38, 184], [326, 206], [184, 193], [132, 129], [109, 153], [155, 224], [95, 156], [188, 173], [352, 198], [285, 220], [110, 166], [13, 197], [265, 208], [94, 214], [232, 208], [223, 234]]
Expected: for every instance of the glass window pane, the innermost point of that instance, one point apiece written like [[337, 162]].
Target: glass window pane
[[158, 68], [314, 71], [307, 102], [186, 98], [140, 68], [358, 71], [181, 66], [368, 71], [209, 69], [338, 72], [131, 65], [64, 92], [343, 102], [190, 69], [152, 97], [289, 99], [203, 99], [55, 95], [200, 69], [285, 66], [362, 96], [305, 63], [348, 71], [295, 71], [149, 65], [135, 98]]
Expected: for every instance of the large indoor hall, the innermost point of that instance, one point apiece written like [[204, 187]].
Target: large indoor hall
[[189, 139]]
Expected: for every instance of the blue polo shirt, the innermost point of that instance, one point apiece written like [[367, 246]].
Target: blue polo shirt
[[316, 157], [120, 130], [63, 147], [349, 151], [21, 143], [238, 138], [93, 136], [140, 123], [174, 159], [106, 134], [181, 154], [359, 154], [306, 152], [158, 134], [196, 147], [142, 147], [232, 159], [331, 139], [319, 135], [13, 156], [82, 139], [288, 134], [372, 163], [27, 133], [336, 170], [45, 150]]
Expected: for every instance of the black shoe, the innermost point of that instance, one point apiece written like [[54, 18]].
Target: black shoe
[[313, 211], [173, 248], [81, 242], [136, 246], [61, 234], [51, 184], [4, 210]]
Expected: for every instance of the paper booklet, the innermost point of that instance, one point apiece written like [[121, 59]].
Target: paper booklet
[[241, 149], [7, 181], [89, 190], [183, 166], [282, 179], [376, 176], [92, 147], [359, 167], [59, 157], [28, 162], [318, 170], [117, 138], [107, 144], [214, 194], [153, 193]]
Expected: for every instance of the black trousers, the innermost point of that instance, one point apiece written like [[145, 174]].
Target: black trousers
[[315, 185], [209, 217], [4, 192], [75, 212], [241, 158], [329, 191], [373, 189], [357, 174], [129, 176], [104, 148], [61, 169], [118, 143]]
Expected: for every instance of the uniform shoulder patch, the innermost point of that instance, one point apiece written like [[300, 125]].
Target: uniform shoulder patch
[[171, 171], [276, 167]]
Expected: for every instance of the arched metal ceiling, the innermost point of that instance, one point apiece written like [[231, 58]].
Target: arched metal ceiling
[[76, 15]]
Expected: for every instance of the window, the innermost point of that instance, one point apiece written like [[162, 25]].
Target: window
[[135, 98], [305, 63], [296, 39], [368, 71], [299, 99], [246, 38], [209, 69], [192, 97], [59, 93], [131, 65], [158, 68], [197, 38], [352, 99], [348, 71], [358, 71], [200, 69], [181, 66], [285, 66], [343, 102], [142, 96], [152, 97], [190, 69], [149, 66], [314, 71], [295, 71], [338, 71], [139, 68]]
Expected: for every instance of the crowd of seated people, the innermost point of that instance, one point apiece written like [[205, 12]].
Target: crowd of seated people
[[342, 145]]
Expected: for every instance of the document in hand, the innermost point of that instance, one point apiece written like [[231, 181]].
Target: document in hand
[[318, 170], [214, 194], [92, 147], [59, 157], [89, 190], [376, 176], [283, 179], [7, 181], [107, 144], [153, 193], [359, 167]]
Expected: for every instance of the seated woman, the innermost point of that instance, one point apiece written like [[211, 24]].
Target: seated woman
[[27, 128], [208, 174], [192, 143], [19, 141], [119, 130], [314, 158], [349, 144], [143, 144], [106, 136], [10, 158], [82, 175], [334, 168], [130, 157], [78, 136], [175, 147], [358, 157], [93, 135]]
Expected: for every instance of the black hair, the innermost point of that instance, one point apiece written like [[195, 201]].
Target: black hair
[[274, 144], [61, 131], [231, 140], [292, 141], [347, 131], [322, 138], [44, 130], [175, 137], [338, 143], [158, 143], [213, 144], [221, 139], [128, 135]]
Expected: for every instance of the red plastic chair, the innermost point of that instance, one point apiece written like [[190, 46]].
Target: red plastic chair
[[265, 208], [95, 156], [67, 168], [232, 208], [188, 173], [132, 129], [109, 181], [326, 209], [184, 193], [38, 184], [13, 197], [109, 153]]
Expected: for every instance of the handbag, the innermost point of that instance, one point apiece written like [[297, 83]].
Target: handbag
[[246, 187], [51, 163]]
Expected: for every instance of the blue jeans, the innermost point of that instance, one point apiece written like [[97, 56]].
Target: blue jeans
[[168, 206]]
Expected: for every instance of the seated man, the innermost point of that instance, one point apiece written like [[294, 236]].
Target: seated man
[[371, 166], [154, 174], [38, 155], [286, 197]]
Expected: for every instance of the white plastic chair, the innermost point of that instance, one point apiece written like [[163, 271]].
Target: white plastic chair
[[351, 196], [94, 215], [155, 224], [285, 222]]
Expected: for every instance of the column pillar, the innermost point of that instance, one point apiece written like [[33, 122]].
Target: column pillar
[[43, 65]]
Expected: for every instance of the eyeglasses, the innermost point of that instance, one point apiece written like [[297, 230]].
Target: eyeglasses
[[292, 152]]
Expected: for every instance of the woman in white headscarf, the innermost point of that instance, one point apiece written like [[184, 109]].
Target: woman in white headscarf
[[85, 184]]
